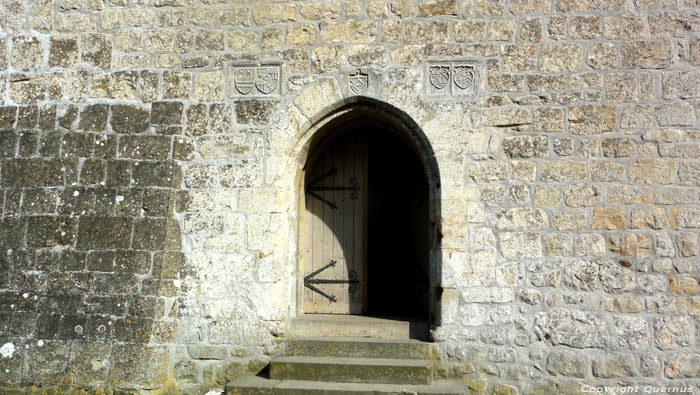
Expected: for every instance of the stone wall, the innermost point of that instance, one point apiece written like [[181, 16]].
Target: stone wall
[[148, 183]]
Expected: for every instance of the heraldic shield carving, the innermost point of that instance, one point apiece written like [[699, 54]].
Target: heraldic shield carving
[[463, 76], [452, 79], [266, 79], [439, 76], [359, 82], [249, 80], [244, 80]]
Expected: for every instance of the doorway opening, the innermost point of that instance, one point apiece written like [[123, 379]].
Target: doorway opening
[[365, 228]]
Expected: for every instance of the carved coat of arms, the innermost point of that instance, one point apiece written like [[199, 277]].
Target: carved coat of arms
[[359, 82], [266, 79], [244, 80], [463, 76], [439, 76]]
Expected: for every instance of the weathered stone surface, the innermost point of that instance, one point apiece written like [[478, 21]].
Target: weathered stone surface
[[683, 285], [522, 218], [489, 172], [675, 114], [315, 11], [624, 26], [599, 275], [609, 218], [588, 120], [267, 14], [97, 50], [562, 171], [560, 57], [209, 86], [653, 171], [128, 119], [633, 333], [576, 329], [583, 195], [648, 54], [348, 31], [520, 245], [672, 333], [518, 57], [608, 366], [566, 363], [682, 365], [525, 146]]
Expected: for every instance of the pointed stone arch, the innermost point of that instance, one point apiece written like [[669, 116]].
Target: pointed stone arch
[[323, 123]]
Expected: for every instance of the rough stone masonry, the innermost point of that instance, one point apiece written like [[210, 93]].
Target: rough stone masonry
[[148, 217]]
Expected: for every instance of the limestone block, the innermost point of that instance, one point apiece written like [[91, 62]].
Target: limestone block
[[594, 275], [648, 217], [520, 245], [682, 365], [608, 171], [609, 218], [683, 285], [616, 365], [97, 50], [348, 31], [625, 26], [469, 30], [576, 329], [432, 8], [602, 56], [672, 332], [560, 57], [487, 295], [571, 220], [315, 11], [646, 54], [562, 171], [268, 14], [518, 57], [522, 218], [209, 86], [566, 363], [519, 118], [313, 100], [680, 85], [653, 171], [63, 52], [491, 8], [416, 32], [519, 7], [526, 146], [531, 29], [675, 114], [591, 119]]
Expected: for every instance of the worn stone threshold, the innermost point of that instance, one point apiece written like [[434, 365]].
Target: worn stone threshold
[[258, 385], [352, 326]]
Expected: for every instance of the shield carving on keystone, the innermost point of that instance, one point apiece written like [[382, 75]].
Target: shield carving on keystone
[[266, 79], [244, 81], [439, 76], [463, 76], [359, 82]]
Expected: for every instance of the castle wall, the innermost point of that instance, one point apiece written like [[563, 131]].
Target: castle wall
[[150, 153]]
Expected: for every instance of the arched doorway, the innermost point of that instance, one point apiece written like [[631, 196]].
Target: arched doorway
[[367, 223]]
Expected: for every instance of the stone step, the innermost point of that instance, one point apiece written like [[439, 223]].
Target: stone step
[[330, 325], [352, 370], [358, 348], [254, 385]]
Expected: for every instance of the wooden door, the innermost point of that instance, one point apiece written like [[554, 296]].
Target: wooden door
[[334, 228]]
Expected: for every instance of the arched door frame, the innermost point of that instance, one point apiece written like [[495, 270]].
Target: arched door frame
[[331, 122]]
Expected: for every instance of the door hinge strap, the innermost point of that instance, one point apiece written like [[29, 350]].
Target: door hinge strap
[[309, 281]]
